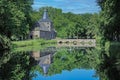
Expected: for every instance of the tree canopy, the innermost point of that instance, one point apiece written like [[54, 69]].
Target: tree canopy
[[15, 18], [69, 25], [110, 19]]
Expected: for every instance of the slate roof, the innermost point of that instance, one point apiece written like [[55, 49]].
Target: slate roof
[[45, 17], [41, 25]]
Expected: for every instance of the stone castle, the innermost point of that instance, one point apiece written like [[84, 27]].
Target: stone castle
[[43, 28]]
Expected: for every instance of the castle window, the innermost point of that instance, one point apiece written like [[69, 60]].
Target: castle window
[[47, 22]]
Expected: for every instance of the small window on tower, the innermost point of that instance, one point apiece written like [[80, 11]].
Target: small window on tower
[[47, 22]]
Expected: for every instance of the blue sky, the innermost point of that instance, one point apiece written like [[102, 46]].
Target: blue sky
[[74, 6]]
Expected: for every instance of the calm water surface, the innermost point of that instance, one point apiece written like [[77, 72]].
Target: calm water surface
[[51, 63], [75, 74], [59, 64]]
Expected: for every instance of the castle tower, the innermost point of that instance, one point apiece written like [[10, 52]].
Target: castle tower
[[45, 22], [44, 28], [45, 15]]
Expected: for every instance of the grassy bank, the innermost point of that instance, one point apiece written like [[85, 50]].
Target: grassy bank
[[30, 48], [34, 42]]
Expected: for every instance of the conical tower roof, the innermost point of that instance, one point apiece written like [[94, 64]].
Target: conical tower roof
[[45, 17]]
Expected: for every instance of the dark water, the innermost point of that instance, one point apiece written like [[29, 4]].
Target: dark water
[[51, 63]]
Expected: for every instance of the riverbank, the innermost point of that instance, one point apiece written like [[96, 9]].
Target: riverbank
[[33, 42]]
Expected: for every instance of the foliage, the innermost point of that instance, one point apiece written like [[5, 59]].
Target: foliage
[[15, 18], [15, 66], [68, 60], [109, 67], [110, 19], [69, 25], [4, 43]]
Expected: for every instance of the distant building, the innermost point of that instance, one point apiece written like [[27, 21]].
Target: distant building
[[43, 28]]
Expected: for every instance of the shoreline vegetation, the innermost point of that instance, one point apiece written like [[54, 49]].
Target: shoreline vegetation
[[37, 44], [33, 42]]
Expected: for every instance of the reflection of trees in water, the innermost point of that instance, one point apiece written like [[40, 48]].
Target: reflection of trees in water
[[19, 65], [109, 68], [4, 57], [77, 58], [66, 59], [15, 67]]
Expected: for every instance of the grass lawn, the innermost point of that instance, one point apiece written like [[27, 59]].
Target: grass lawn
[[34, 42]]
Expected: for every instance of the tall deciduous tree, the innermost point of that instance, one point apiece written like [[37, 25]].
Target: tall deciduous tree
[[110, 19], [15, 17]]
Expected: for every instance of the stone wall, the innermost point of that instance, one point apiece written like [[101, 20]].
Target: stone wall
[[35, 34]]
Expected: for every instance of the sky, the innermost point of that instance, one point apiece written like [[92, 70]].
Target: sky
[[74, 6]]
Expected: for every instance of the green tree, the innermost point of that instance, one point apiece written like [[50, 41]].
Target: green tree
[[110, 19], [15, 17]]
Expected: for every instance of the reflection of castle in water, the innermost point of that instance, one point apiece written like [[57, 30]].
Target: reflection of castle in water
[[44, 58]]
